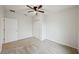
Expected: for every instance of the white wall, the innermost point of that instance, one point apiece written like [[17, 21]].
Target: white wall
[[1, 11], [62, 27], [43, 21], [78, 26], [1, 27], [24, 25]]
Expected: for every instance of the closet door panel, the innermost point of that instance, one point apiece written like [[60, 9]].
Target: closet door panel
[[10, 30]]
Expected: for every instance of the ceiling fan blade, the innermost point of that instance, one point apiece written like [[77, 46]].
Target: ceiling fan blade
[[41, 11], [29, 6], [40, 6]]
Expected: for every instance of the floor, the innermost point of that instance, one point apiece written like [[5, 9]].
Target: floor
[[35, 46]]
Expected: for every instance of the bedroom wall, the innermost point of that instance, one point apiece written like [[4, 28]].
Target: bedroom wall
[[62, 26], [1, 26], [24, 25], [78, 27]]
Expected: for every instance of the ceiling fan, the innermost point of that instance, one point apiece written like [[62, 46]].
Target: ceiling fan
[[35, 9]]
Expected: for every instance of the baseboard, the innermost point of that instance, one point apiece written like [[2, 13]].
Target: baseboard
[[63, 44], [18, 39]]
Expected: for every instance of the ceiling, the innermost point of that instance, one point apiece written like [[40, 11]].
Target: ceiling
[[47, 8]]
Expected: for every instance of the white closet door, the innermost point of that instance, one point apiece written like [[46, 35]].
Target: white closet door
[[1, 32], [10, 30]]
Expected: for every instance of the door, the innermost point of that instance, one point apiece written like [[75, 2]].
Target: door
[[10, 30], [36, 29]]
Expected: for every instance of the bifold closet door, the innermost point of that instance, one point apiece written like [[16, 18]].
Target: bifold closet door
[[10, 30]]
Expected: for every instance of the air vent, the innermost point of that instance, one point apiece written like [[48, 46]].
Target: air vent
[[13, 11]]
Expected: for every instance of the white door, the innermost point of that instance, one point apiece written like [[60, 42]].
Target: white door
[[1, 32], [36, 29], [10, 30]]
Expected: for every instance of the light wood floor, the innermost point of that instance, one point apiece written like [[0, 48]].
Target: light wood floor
[[35, 46]]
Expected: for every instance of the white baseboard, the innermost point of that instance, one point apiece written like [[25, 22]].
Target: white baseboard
[[20, 38], [63, 44]]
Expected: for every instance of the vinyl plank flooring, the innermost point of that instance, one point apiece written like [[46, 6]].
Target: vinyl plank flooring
[[35, 46]]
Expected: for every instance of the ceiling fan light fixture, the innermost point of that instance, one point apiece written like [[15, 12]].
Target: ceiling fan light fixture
[[35, 8]]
